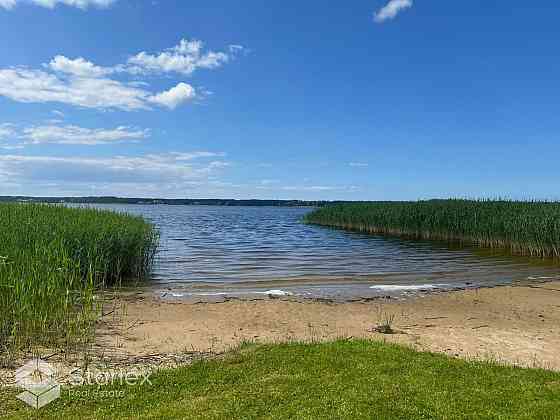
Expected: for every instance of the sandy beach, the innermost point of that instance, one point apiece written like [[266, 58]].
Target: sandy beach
[[517, 324]]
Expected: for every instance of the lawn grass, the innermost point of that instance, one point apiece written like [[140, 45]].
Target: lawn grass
[[522, 227], [339, 380], [53, 262]]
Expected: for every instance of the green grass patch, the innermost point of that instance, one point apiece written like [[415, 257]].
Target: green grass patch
[[53, 259], [523, 228], [340, 380]]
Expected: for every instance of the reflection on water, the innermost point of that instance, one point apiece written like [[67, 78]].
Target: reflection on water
[[239, 250]]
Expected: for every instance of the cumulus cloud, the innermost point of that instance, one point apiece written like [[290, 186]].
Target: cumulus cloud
[[25, 85], [77, 67], [80, 82], [72, 134], [391, 10], [174, 96], [51, 4], [184, 58]]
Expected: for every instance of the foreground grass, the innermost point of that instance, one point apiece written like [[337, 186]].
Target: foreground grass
[[52, 261], [525, 228], [345, 379]]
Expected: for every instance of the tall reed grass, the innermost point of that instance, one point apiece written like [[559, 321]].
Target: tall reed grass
[[53, 262], [529, 228]]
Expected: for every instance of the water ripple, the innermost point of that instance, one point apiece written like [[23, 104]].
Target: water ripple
[[237, 246]]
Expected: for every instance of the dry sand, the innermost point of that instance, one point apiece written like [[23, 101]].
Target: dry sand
[[518, 324]]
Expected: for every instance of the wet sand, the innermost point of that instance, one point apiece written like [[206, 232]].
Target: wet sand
[[517, 324]]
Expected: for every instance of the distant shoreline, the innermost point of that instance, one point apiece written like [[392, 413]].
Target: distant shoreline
[[167, 201]]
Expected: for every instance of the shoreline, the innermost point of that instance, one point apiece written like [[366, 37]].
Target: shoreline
[[515, 324], [335, 289]]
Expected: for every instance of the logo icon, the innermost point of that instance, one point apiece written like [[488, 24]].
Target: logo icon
[[37, 378]]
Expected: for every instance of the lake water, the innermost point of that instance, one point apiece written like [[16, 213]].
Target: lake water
[[219, 251]]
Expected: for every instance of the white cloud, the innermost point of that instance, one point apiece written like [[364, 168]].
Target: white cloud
[[391, 10], [174, 96], [173, 163], [77, 67], [82, 4], [184, 58], [358, 164], [180, 156], [153, 174], [24, 85], [6, 131], [50, 4], [71, 134], [179, 174], [53, 132], [309, 188], [8, 137], [82, 83], [7, 4]]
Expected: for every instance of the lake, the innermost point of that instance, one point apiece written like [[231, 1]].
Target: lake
[[219, 251]]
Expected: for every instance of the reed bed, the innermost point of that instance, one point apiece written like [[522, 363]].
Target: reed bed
[[54, 261], [529, 228]]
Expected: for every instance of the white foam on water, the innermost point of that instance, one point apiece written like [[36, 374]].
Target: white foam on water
[[210, 294], [275, 293], [268, 292], [179, 295], [541, 278], [395, 287]]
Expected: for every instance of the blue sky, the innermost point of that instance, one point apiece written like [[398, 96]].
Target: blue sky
[[352, 100]]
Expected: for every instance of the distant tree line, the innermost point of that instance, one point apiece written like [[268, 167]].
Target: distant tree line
[[179, 201]]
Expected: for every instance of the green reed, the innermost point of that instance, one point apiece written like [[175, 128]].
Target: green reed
[[529, 228], [54, 261]]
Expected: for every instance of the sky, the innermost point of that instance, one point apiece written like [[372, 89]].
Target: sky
[[361, 100]]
